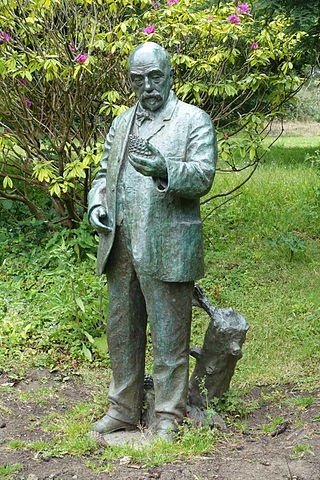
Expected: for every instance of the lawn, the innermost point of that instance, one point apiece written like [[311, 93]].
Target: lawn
[[262, 258]]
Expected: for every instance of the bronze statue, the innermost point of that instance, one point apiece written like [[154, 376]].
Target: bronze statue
[[159, 159]]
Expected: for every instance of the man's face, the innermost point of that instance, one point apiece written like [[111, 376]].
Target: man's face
[[151, 79]]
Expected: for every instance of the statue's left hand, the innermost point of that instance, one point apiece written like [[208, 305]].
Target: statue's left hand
[[153, 165]]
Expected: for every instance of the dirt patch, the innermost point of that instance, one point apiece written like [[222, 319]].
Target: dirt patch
[[296, 129], [279, 439]]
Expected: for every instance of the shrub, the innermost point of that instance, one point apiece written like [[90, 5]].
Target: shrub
[[63, 76]]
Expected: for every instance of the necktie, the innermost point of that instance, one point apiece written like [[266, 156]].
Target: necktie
[[143, 115]]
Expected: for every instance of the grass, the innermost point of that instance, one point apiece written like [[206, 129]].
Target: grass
[[306, 105], [301, 450], [302, 402], [40, 396], [253, 265], [276, 422], [262, 257], [280, 298], [70, 437], [6, 471]]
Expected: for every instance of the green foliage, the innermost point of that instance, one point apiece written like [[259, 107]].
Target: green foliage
[[287, 240], [63, 76], [314, 159], [279, 298], [191, 441], [301, 450], [52, 296], [7, 470], [305, 17], [302, 402], [231, 404], [16, 444], [41, 278], [70, 437], [276, 422]]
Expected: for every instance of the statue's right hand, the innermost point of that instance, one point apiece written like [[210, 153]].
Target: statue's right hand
[[99, 220]]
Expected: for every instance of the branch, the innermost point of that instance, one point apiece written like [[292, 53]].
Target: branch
[[34, 210], [225, 194], [218, 206]]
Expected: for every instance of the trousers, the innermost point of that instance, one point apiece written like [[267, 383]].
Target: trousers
[[134, 297]]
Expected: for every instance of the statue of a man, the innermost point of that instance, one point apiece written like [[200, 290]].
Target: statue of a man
[[159, 159]]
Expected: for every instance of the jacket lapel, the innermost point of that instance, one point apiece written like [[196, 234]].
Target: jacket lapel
[[127, 129]]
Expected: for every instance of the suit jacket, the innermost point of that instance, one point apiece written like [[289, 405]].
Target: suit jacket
[[166, 234]]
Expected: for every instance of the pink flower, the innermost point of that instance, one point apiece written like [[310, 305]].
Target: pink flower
[[226, 135], [209, 17], [254, 45], [27, 102], [156, 5], [4, 37], [149, 30], [81, 58], [243, 8], [171, 2], [233, 19], [22, 81]]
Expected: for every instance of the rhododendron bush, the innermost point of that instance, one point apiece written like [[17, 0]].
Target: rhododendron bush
[[63, 77]]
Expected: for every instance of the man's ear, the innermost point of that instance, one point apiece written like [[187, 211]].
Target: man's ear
[[171, 77]]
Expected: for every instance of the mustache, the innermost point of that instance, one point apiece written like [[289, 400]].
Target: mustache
[[155, 96]]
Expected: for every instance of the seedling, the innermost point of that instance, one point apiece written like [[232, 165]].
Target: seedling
[[16, 444], [301, 450], [6, 470], [273, 425]]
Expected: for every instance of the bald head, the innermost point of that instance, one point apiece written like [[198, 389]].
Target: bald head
[[150, 74], [148, 50]]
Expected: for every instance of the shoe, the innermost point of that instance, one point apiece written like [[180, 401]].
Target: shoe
[[108, 424], [166, 430]]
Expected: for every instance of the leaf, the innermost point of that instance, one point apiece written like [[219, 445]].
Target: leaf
[[92, 257], [101, 344], [89, 337], [87, 353], [80, 304], [252, 153], [7, 182], [55, 189]]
